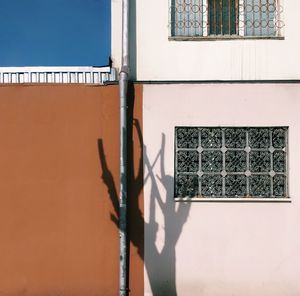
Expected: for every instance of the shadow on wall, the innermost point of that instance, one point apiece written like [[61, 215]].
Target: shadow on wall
[[160, 265], [132, 40]]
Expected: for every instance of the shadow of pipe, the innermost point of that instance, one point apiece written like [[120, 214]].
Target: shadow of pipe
[[160, 263]]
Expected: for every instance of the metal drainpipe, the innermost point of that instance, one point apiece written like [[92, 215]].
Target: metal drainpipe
[[123, 83]]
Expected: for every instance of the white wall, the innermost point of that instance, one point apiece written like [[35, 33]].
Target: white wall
[[220, 248], [160, 59]]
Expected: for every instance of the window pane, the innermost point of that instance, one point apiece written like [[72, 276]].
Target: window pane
[[222, 17], [260, 17], [187, 17]]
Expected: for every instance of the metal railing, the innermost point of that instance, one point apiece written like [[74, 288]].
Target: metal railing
[[232, 18], [88, 75]]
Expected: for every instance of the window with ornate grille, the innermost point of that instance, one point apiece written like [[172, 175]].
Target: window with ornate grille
[[231, 162], [226, 18]]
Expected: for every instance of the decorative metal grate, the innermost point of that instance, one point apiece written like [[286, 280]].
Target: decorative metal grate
[[229, 162], [239, 18]]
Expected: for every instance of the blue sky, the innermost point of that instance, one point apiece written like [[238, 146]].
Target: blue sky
[[54, 32]]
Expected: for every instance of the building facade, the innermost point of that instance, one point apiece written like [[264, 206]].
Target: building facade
[[213, 147], [217, 219]]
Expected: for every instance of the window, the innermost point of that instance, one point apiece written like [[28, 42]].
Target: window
[[231, 162], [226, 18]]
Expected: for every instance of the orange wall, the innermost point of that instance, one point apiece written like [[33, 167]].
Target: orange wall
[[56, 232]]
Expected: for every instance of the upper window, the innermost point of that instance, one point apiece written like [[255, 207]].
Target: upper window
[[231, 162], [226, 18]]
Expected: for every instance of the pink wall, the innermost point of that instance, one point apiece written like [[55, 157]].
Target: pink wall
[[219, 248]]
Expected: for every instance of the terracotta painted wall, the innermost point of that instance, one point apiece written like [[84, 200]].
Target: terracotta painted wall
[[57, 236]]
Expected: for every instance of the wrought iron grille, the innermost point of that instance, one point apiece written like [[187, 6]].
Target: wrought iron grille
[[244, 162], [244, 18]]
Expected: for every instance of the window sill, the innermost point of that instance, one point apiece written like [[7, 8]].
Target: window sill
[[233, 199], [224, 37]]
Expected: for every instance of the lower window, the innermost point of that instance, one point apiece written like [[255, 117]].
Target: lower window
[[226, 18], [231, 162]]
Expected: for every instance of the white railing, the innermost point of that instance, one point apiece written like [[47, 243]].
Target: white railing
[[88, 75]]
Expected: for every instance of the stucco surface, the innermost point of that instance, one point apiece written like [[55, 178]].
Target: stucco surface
[[219, 248], [157, 58], [59, 176]]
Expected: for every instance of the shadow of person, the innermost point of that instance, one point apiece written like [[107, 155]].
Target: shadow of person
[[160, 265]]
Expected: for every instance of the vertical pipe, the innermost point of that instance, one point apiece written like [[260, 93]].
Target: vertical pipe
[[123, 83]]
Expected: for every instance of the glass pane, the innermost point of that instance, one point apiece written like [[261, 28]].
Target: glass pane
[[260, 17], [187, 17], [222, 17]]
